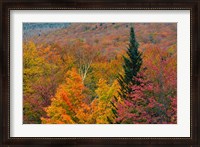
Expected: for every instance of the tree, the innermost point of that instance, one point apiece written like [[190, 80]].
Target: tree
[[161, 69], [144, 107], [84, 54], [44, 68], [132, 64], [32, 71], [67, 105], [101, 106], [154, 100], [102, 70], [32, 66], [133, 109]]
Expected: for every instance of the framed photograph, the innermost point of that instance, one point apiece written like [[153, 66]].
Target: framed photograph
[[100, 72]]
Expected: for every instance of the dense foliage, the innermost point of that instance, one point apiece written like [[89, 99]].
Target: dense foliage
[[99, 74]]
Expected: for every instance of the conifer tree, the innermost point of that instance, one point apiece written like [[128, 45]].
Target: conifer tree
[[132, 64]]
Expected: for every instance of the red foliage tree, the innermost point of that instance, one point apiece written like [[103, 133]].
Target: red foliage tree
[[144, 107]]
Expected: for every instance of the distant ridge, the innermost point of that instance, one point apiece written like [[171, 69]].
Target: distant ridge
[[30, 29]]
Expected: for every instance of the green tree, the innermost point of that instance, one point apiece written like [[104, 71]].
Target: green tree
[[132, 64]]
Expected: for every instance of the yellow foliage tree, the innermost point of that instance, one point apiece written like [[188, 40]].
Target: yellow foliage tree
[[32, 65], [102, 107]]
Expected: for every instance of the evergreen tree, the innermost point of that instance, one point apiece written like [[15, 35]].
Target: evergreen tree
[[132, 64]]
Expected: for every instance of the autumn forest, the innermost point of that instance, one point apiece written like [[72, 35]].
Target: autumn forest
[[99, 73]]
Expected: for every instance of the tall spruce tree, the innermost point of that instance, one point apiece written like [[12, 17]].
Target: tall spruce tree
[[132, 64]]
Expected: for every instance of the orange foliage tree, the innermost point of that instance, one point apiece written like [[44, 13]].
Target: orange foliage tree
[[68, 105]]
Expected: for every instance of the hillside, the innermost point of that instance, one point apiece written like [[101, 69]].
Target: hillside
[[36, 29], [108, 36], [100, 73]]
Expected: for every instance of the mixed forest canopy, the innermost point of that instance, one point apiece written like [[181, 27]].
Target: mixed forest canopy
[[100, 73]]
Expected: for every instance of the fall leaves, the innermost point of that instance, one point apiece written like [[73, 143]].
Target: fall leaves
[[68, 106], [79, 83]]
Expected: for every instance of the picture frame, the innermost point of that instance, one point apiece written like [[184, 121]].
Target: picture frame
[[5, 101]]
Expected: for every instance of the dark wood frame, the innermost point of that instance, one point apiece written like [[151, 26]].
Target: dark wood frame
[[192, 5]]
